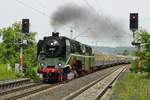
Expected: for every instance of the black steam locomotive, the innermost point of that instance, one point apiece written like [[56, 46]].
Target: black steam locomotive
[[58, 56], [61, 58]]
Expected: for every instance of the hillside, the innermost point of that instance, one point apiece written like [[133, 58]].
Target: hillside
[[114, 50]]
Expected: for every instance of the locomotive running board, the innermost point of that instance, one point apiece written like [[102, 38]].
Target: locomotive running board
[[77, 55]]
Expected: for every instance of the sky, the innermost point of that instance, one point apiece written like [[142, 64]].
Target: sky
[[40, 12]]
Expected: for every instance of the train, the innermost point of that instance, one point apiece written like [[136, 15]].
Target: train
[[61, 58]]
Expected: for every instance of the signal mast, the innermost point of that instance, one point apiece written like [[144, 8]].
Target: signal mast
[[134, 27]]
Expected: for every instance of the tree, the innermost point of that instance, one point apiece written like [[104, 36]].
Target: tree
[[9, 48], [144, 39]]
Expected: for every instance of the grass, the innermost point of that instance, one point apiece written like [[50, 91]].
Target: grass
[[133, 86], [6, 74]]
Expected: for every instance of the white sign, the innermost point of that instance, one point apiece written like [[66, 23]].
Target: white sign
[[16, 67]]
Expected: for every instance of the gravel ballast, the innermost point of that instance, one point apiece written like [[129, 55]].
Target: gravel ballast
[[64, 90]]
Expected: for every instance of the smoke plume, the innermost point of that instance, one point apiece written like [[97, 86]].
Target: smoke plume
[[86, 20]]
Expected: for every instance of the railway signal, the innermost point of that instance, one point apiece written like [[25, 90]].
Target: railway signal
[[25, 26], [134, 27], [133, 21], [24, 29]]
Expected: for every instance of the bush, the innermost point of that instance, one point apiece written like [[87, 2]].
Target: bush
[[18, 75], [31, 72], [133, 66], [7, 74], [143, 38]]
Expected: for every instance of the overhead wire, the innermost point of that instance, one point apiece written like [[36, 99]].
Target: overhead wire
[[108, 20], [41, 4], [98, 6], [98, 15], [28, 6]]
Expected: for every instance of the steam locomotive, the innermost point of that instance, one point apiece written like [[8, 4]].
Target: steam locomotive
[[61, 58]]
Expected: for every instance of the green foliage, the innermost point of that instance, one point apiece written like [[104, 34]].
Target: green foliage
[[144, 39], [132, 87], [6, 74], [31, 72], [9, 48], [133, 67]]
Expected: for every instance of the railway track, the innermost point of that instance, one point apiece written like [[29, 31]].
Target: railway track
[[29, 85], [34, 91], [25, 91], [14, 89], [74, 88], [96, 89]]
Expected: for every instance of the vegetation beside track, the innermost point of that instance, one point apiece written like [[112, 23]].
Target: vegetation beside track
[[142, 56], [7, 74], [31, 72], [9, 52], [133, 86], [136, 86]]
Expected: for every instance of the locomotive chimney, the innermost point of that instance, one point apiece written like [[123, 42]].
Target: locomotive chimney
[[55, 34]]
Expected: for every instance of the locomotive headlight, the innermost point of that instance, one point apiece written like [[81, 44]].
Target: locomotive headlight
[[42, 64], [51, 43], [59, 64]]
